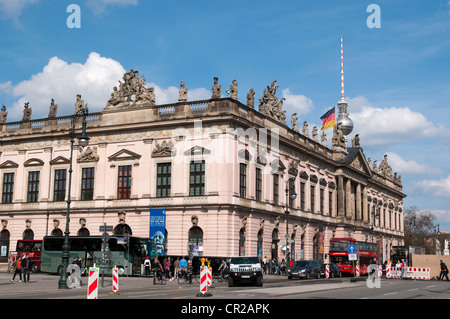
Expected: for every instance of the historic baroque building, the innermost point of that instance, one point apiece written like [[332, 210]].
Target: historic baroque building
[[219, 167]]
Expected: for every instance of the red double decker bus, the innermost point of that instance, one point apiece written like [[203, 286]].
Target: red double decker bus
[[366, 254], [33, 248]]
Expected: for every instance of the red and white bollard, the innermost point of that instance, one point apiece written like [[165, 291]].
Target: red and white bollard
[[203, 280], [380, 271], [93, 283], [357, 270], [115, 279], [327, 271], [388, 270]]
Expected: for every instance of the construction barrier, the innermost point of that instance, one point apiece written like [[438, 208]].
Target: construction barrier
[[203, 280], [357, 270], [380, 271], [209, 276], [388, 271], [93, 283], [327, 271], [410, 273], [115, 279]]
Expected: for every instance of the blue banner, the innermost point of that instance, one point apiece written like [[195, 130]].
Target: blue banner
[[158, 228]]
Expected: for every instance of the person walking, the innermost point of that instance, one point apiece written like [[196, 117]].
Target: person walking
[[147, 265], [17, 268], [26, 265], [167, 269], [176, 267], [444, 271], [189, 271]]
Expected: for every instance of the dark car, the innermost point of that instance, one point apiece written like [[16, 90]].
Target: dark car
[[304, 269], [335, 271]]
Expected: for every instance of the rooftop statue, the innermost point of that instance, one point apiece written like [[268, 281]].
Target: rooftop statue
[[182, 93], [216, 89], [3, 115], [131, 92], [272, 106]]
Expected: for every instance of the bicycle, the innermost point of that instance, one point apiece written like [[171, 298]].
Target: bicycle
[[159, 275], [223, 275], [183, 277]]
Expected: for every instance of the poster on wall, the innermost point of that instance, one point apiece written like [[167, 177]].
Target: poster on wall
[[158, 228]]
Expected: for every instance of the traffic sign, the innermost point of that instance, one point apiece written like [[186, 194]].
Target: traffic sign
[[352, 257], [351, 249]]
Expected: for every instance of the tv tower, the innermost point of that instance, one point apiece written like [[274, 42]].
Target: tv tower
[[343, 118]]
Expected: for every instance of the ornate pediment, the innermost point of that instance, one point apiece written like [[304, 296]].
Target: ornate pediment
[[356, 160], [60, 160], [88, 154], [277, 165], [197, 150], [9, 164], [124, 155], [164, 149], [33, 162]]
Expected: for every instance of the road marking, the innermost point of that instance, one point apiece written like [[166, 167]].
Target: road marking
[[390, 293], [413, 289]]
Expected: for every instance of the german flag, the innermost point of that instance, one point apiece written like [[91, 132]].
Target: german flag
[[328, 119]]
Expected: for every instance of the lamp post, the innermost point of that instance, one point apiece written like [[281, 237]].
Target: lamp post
[[292, 196], [83, 141]]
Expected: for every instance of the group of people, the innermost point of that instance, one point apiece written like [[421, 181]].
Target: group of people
[[21, 265], [169, 270], [274, 266]]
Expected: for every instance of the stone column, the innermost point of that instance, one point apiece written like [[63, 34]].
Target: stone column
[[348, 199], [340, 196], [358, 202], [364, 207]]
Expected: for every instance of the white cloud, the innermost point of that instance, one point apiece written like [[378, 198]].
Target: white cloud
[[62, 81], [12, 9], [297, 103], [435, 188], [94, 80], [380, 126], [401, 166]]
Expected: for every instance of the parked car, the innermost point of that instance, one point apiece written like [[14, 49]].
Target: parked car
[[335, 271], [304, 269]]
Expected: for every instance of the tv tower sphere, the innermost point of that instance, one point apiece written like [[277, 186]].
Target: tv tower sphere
[[344, 119]]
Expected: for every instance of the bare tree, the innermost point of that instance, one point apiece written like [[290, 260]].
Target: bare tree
[[419, 228]]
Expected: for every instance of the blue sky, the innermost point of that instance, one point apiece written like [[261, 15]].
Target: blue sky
[[397, 77]]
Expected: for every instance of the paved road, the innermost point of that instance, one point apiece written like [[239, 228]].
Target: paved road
[[45, 286]]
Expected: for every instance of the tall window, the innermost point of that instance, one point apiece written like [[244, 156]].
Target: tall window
[[302, 195], [330, 203], [276, 179], [291, 191], [33, 187], [313, 198], [197, 179], [242, 180], [59, 192], [163, 179], [8, 188], [124, 182], [322, 201], [87, 183], [258, 184]]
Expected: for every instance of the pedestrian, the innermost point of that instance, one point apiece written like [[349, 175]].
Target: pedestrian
[[403, 269], [265, 265], [147, 266], [176, 267], [189, 270], [158, 269], [166, 264], [444, 271], [17, 268], [26, 265], [269, 266]]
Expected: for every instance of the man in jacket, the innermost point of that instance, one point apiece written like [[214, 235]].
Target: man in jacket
[[444, 271], [26, 265]]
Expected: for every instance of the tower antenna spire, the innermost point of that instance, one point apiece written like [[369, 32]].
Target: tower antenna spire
[[342, 70]]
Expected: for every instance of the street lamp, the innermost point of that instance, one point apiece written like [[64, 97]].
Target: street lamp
[[292, 196], [83, 141]]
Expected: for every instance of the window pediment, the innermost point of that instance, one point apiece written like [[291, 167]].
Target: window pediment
[[124, 155], [33, 162], [9, 164]]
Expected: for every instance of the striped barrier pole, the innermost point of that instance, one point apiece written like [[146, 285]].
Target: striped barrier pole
[[115, 279], [380, 271], [357, 270], [93, 283], [388, 270], [203, 280], [327, 271]]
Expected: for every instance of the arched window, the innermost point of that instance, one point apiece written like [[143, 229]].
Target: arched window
[[260, 243], [195, 238], [4, 242], [28, 234], [275, 241], [242, 242], [122, 229]]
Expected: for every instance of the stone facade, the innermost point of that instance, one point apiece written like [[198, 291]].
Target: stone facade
[[238, 204]]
